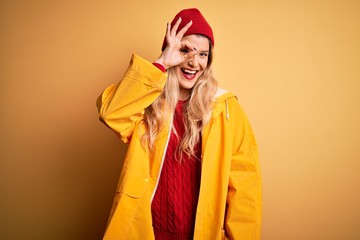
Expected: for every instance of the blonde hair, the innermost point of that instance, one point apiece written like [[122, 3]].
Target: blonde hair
[[197, 110]]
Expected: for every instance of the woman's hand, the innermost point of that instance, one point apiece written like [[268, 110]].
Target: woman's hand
[[176, 51]]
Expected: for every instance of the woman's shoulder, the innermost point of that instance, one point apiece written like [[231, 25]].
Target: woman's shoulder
[[223, 95], [227, 101]]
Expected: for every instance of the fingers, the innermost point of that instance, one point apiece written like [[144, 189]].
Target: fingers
[[182, 31], [177, 50], [190, 55], [186, 45], [190, 51], [168, 30], [175, 27]]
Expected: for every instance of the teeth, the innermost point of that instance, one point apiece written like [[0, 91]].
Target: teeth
[[189, 71]]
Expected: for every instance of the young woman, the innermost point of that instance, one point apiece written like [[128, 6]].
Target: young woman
[[191, 169]]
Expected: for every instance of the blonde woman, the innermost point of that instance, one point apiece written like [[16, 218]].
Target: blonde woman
[[191, 169]]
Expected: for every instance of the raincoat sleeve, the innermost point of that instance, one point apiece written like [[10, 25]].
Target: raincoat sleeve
[[121, 105], [243, 215]]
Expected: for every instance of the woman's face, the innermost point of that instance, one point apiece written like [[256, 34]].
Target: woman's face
[[189, 71]]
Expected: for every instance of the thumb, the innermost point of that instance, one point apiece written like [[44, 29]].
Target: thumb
[[190, 54], [190, 50]]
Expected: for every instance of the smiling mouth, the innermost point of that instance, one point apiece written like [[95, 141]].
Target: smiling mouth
[[189, 74]]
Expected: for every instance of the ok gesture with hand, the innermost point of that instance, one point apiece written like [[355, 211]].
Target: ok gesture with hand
[[176, 51]]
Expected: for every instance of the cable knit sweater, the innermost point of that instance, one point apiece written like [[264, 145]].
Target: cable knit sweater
[[175, 201]]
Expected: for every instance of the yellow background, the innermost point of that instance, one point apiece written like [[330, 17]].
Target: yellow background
[[294, 65]]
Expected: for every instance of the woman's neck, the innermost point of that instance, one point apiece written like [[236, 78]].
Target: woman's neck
[[184, 94]]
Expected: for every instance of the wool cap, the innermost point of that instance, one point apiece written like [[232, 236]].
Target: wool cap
[[199, 24]]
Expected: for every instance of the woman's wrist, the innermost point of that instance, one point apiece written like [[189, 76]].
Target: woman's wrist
[[161, 62], [159, 66]]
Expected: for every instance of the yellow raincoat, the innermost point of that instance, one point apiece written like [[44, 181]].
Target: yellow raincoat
[[229, 205]]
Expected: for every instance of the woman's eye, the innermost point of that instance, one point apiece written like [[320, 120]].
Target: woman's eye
[[184, 50], [204, 54]]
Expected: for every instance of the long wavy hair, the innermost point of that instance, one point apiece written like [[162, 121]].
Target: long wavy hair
[[197, 110]]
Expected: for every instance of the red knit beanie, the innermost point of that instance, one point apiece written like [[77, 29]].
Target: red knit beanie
[[199, 24]]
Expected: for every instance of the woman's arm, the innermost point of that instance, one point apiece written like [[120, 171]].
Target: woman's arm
[[122, 104], [244, 200]]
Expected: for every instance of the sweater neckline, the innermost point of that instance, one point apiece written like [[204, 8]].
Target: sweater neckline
[[182, 101]]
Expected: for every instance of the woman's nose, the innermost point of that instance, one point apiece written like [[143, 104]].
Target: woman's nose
[[193, 62]]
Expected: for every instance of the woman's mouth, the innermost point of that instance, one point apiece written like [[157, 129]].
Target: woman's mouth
[[189, 74]]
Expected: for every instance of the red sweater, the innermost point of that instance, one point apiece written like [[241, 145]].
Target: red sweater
[[175, 201]]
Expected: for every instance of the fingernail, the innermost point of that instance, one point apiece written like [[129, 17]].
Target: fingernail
[[195, 49]]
